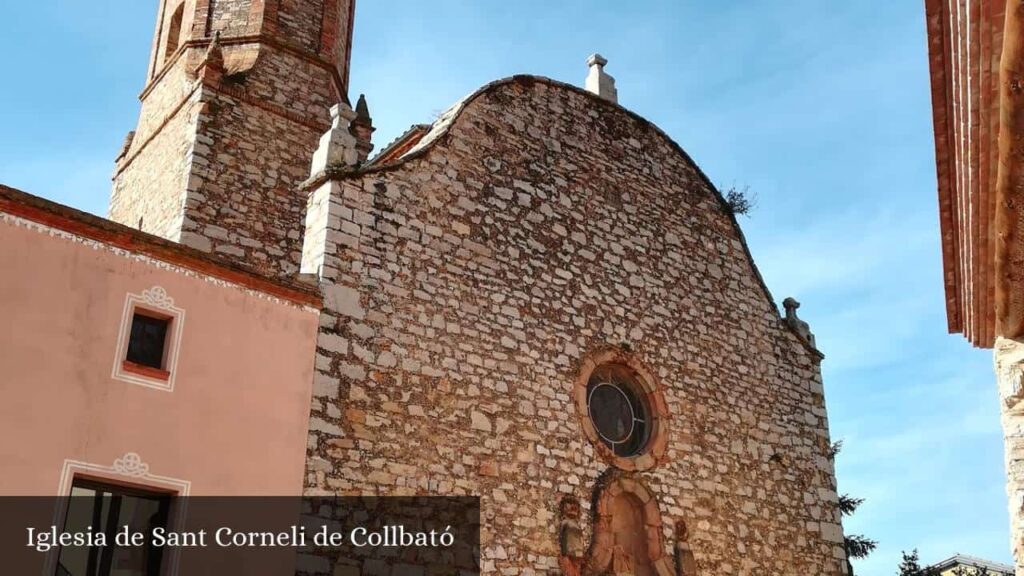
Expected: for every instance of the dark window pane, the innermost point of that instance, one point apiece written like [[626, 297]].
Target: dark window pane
[[106, 509], [617, 411], [612, 414], [146, 343]]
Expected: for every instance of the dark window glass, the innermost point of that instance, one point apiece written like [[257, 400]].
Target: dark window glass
[[617, 412], [146, 343], [106, 509]]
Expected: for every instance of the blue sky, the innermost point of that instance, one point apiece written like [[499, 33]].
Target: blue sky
[[822, 108]]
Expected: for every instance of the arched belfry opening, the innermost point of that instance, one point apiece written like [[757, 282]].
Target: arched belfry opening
[[174, 32]]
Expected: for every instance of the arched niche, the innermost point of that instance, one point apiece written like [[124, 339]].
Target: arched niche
[[627, 532]]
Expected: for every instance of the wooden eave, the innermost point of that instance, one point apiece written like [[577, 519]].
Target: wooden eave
[[965, 44]]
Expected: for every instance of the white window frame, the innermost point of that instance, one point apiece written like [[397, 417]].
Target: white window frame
[[156, 301]]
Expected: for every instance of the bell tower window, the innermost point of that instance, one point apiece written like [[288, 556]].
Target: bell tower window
[[174, 31]]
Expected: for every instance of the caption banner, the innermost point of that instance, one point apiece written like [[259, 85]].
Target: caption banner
[[99, 532]]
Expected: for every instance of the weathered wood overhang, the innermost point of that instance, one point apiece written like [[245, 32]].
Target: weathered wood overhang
[[977, 77]]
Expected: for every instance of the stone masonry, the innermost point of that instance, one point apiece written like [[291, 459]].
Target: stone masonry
[[1009, 368], [475, 278], [226, 131], [468, 283]]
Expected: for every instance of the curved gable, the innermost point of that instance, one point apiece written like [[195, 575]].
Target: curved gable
[[623, 137], [468, 283]]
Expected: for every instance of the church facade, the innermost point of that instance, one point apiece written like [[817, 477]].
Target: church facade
[[539, 300]]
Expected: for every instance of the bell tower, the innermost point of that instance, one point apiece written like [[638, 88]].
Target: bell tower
[[237, 96]]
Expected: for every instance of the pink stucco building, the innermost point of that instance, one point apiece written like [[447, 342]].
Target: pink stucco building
[[225, 413], [139, 368]]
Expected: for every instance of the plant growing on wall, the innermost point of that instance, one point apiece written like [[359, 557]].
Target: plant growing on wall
[[740, 200]]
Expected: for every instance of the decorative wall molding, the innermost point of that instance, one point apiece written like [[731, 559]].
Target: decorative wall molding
[[157, 297], [128, 469], [154, 299], [130, 466]]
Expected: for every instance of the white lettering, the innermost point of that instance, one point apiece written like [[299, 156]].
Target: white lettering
[[44, 541]]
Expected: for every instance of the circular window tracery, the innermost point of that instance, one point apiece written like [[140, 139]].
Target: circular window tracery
[[617, 411], [623, 411]]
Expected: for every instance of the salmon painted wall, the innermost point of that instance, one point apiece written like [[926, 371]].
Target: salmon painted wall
[[234, 423]]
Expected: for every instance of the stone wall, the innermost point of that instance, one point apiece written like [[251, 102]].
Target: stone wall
[[242, 197], [467, 286], [220, 171], [225, 135], [1009, 366], [231, 16], [151, 175]]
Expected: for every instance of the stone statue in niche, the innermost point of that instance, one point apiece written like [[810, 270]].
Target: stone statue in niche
[[801, 327], [622, 562], [686, 565], [570, 537]]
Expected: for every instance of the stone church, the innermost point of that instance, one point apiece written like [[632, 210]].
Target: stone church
[[539, 299]]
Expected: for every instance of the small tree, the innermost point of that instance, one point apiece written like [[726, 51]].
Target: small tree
[[911, 566], [857, 545]]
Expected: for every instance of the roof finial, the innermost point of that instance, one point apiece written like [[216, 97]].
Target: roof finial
[[362, 110], [598, 81], [214, 54], [362, 128], [338, 145], [801, 327]]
